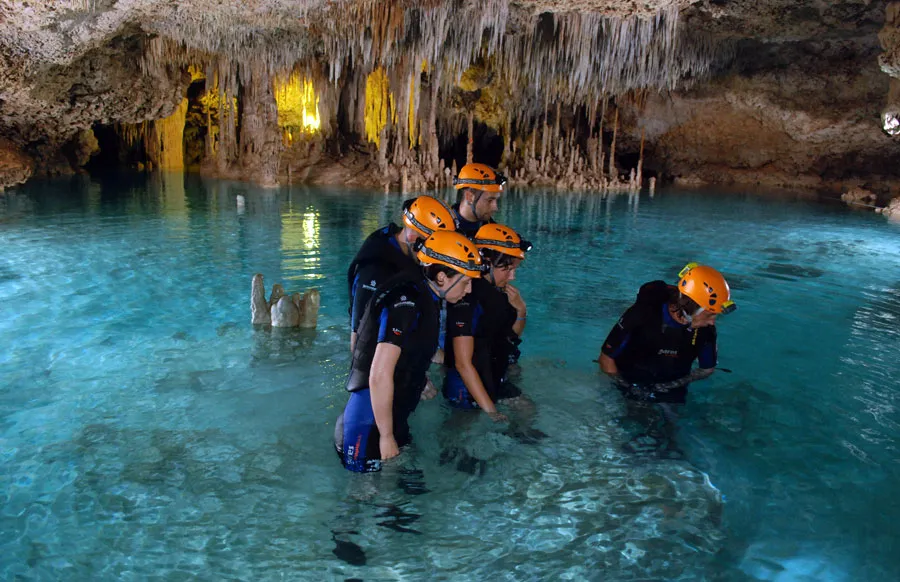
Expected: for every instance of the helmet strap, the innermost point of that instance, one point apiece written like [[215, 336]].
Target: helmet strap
[[442, 294], [490, 273], [478, 194]]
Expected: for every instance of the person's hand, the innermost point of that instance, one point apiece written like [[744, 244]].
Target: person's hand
[[388, 446], [498, 416], [438, 357], [429, 391], [515, 299]]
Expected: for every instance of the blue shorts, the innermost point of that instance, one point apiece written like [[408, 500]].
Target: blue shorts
[[458, 395], [455, 391], [356, 435]]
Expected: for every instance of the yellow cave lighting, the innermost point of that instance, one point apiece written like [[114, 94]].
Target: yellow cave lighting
[[298, 105], [196, 73], [170, 139], [379, 104]]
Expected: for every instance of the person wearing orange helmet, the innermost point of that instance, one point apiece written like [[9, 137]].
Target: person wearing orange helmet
[[479, 188], [388, 250], [397, 337], [483, 329], [651, 350]]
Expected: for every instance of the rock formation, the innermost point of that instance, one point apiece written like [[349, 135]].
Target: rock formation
[[859, 196], [892, 210], [281, 310], [598, 94], [890, 64]]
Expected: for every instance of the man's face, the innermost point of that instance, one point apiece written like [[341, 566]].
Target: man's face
[[488, 203], [703, 319]]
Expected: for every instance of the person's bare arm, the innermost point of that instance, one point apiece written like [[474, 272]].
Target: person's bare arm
[[515, 299], [463, 349], [609, 367], [381, 389]]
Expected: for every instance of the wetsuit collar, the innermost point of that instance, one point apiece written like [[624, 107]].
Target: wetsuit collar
[[669, 320], [464, 223]]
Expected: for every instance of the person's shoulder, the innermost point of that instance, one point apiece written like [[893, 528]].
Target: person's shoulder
[[638, 314], [654, 293], [403, 293]]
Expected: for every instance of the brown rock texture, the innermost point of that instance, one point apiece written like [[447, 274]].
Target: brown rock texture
[[800, 114], [15, 166], [771, 92]]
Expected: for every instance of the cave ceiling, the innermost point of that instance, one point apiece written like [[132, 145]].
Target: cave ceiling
[[68, 64]]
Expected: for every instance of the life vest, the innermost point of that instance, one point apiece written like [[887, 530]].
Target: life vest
[[495, 343], [377, 248], [658, 351], [418, 347]]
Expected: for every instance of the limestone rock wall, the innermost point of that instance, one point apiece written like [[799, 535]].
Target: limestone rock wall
[[802, 114], [774, 92]]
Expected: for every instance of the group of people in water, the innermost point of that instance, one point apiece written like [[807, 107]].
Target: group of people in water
[[438, 289]]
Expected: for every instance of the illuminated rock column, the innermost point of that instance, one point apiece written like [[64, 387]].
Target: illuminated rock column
[[165, 143]]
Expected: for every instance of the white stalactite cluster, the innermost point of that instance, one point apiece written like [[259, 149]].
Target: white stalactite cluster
[[540, 78]]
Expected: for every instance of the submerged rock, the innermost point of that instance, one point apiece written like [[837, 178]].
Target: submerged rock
[[281, 310]]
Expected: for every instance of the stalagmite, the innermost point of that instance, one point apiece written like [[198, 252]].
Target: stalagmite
[[640, 166]]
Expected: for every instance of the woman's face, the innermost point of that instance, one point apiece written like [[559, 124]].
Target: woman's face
[[505, 274], [455, 287]]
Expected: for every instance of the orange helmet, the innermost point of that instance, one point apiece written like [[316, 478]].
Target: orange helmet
[[707, 287], [425, 215], [453, 250], [479, 177], [502, 239]]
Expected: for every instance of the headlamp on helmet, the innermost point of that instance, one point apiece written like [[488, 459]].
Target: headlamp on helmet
[[502, 239], [479, 177]]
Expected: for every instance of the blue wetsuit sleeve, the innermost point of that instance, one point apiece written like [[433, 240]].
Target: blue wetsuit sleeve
[[621, 333], [397, 320]]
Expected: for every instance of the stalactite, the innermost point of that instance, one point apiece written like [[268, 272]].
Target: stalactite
[[369, 57], [470, 142], [613, 173], [377, 106]]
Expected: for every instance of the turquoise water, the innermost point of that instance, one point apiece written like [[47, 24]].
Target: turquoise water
[[147, 431]]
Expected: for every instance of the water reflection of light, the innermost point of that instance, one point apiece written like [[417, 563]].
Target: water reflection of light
[[300, 245]]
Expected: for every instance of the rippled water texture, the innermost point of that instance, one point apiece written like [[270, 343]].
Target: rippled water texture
[[147, 431]]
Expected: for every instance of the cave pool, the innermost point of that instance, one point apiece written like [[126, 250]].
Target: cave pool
[[149, 432]]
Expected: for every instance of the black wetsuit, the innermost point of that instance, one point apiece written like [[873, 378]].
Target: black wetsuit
[[469, 229], [405, 313], [486, 315], [650, 347], [378, 259]]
